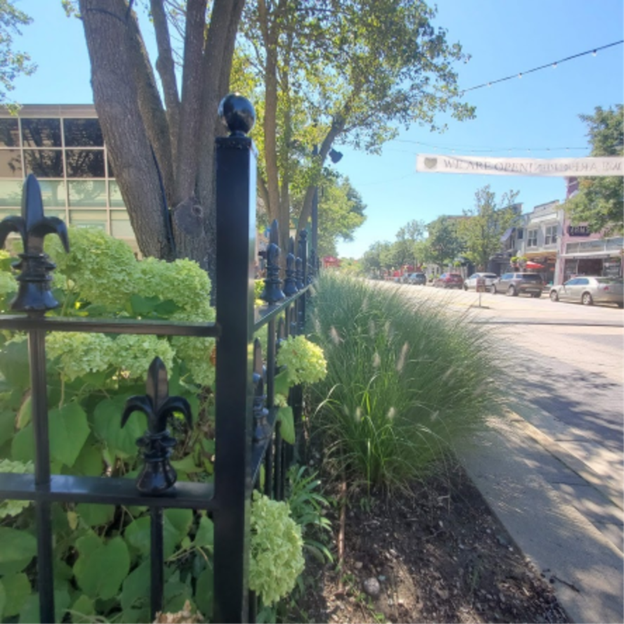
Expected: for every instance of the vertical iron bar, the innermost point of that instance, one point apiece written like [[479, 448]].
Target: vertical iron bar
[[279, 464], [303, 254], [236, 220], [39, 399], [157, 559], [268, 458]]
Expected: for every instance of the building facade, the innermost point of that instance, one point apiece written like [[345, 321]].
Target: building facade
[[63, 146]]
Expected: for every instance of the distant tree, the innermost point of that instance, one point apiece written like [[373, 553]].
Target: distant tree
[[377, 256], [350, 266], [12, 63], [600, 201], [485, 223], [408, 247], [443, 242]]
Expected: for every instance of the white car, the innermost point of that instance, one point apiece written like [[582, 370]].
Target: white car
[[471, 282]]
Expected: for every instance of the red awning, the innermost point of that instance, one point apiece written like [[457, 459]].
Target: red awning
[[534, 265]]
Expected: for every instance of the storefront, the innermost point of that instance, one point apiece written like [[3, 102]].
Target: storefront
[[548, 261], [593, 257]]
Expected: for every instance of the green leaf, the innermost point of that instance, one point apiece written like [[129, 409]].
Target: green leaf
[[136, 588], [107, 425], [280, 383], [204, 593], [101, 572], [16, 545], [69, 431], [137, 534], [166, 308], [14, 365], [142, 306], [96, 515], [287, 427], [186, 464], [89, 463], [7, 426], [17, 589], [181, 519], [176, 595], [24, 416], [205, 533], [29, 613], [82, 609], [23, 445], [2, 600]]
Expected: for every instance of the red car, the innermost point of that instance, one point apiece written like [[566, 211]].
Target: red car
[[449, 280]]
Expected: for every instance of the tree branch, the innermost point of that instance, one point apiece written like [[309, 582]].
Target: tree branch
[[166, 69]]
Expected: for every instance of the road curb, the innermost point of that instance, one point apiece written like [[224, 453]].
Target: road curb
[[571, 461]]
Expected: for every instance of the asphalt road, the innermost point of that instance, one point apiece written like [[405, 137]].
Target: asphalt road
[[565, 365]]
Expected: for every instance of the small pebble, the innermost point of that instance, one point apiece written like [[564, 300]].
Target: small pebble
[[372, 587], [381, 577], [358, 565]]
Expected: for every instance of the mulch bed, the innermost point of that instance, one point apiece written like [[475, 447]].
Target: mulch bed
[[437, 554]]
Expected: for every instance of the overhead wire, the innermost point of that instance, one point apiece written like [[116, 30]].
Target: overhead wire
[[553, 64]]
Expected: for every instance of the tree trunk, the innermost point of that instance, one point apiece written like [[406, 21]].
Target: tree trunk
[[117, 104]]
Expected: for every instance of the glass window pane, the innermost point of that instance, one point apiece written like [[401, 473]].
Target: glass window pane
[[11, 193], [55, 213], [52, 194], [85, 163], [44, 163], [87, 193], [9, 133], [41, 132], [10, 164], [120, 224], [88, 218], [115, 198], [83, 133]]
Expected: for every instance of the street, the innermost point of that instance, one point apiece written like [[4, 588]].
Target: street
[[565, 369]]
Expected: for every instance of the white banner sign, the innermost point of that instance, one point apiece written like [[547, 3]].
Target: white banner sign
[[552, 167]]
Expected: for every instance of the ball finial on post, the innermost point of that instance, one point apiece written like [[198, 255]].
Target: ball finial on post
[[237, 114]]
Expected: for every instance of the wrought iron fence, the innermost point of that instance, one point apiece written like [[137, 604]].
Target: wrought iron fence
[[246, 428]]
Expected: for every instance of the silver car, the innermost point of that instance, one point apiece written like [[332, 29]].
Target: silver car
[[471, 282], [589, 290]]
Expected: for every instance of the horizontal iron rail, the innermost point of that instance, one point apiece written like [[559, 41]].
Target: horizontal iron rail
[[265, 313], [259, 449], [108, 326], [105, 491]]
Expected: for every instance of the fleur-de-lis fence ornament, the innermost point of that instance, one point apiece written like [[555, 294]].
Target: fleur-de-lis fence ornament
[[290, 283], [262, 429], [33, 294], [157, 475], [272, 292]]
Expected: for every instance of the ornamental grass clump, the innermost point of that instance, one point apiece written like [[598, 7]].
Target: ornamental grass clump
[[405, 382]]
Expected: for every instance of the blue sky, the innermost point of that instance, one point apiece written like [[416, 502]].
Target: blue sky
[[503, 37]]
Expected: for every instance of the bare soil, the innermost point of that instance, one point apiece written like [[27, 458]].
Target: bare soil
[[437, 553]]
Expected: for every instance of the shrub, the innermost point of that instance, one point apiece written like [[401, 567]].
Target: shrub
[[404, 381]]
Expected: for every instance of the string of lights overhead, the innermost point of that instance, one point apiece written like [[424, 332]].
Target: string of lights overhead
[[552, 64]]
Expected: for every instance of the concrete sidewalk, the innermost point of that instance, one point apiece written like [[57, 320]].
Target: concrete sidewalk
[[568, 528]]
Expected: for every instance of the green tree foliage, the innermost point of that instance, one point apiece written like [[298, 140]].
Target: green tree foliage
[[377, 256], [408, 248], [341, 212], [600, 201], [12, 63], [485, 223], [342, 71], [444, 243]]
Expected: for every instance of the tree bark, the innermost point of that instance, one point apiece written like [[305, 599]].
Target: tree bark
[[117, 104]]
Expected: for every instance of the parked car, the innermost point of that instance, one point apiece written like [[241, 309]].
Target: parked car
[[471, 282], [589, 290], [449, 280], [514, 284], [419, 279]]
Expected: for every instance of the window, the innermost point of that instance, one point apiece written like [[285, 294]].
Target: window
[[572, 282], [10, 164], [83, 133], [519, 234], [9, 133], [41, 132], [551, 235], [532, 238], [85, 163], [44, 163], [582, 281]]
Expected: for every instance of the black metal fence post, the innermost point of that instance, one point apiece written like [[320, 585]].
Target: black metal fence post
[[236, 222]]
